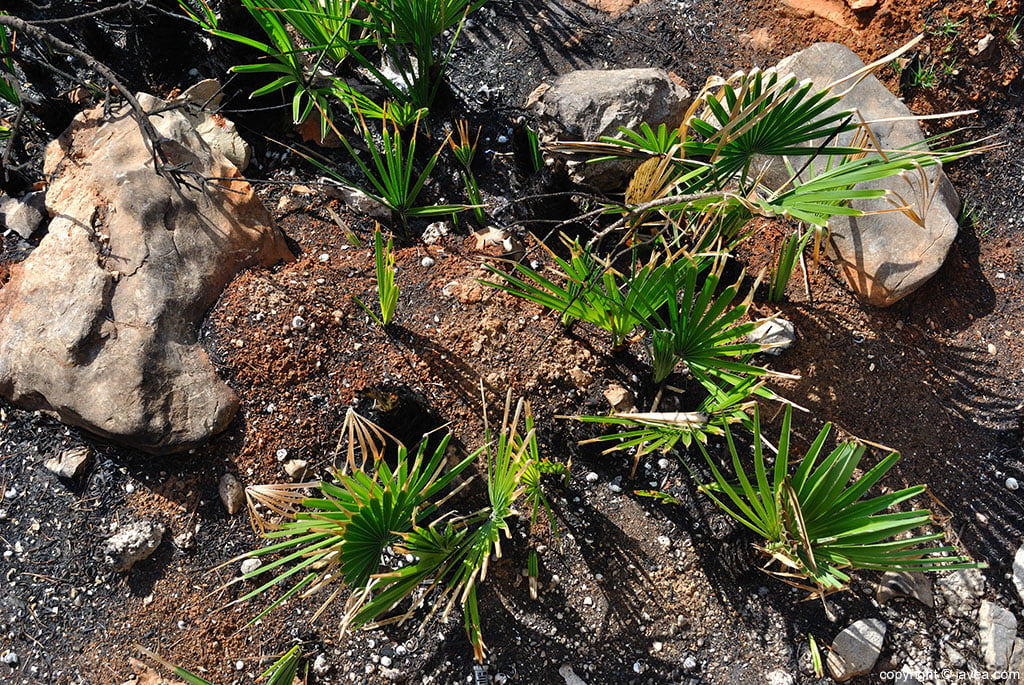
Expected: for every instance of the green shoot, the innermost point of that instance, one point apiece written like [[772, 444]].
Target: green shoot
[[792, 247], [387, 289]]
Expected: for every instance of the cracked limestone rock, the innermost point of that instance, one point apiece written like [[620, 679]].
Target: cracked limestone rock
[[99, 325]]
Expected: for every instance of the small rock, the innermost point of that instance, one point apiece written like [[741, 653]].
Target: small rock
[[385, 661], [282, 453], [186, 539], [588, 601], [1012, 483], [664, 541], [775, 335], [11, 658], [657, 646], [434, 232], [905, 584], [232, 494], [297, 469], [620, 398], [962, 591], [591, 477], [427, 262], [23, 215], [855, 650], [298, 323], [569, 676], [983, 44], [71, 462], [997, 629], [580, 377], [132, 544], [360, 202], [320, 665], [689, 663], [992, 349], [615, 487], [249, 565], [779, 677]]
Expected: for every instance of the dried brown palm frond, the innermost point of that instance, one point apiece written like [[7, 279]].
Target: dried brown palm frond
[[363, 441], [283, 499]]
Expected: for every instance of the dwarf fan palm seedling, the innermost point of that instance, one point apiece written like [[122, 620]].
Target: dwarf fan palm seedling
[[701, 328], [406, 31], [292, 64], [391, 170], [340, 536], [647, 432], [792, 247], [816, 521]]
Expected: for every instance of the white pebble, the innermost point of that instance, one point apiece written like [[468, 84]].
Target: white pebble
[[298, 323], [239, 665], [129, 488], [502, 140], [250, 565], [663, 463], [385, 661], [991, 348], [664, 541], [282, 454], [427, 262], [690, 663], [637, 668], [614, 487], [1012, 484], [658, 646], [591, 477], [982, 519], [588, 601], [10, 658], [324, 257]]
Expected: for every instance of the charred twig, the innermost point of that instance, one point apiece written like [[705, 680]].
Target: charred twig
[[95, 13], [149, 133]]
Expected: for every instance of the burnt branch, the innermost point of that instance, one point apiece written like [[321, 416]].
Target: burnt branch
[[150, 135]]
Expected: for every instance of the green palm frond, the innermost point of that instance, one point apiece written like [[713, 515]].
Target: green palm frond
[[816, 522]]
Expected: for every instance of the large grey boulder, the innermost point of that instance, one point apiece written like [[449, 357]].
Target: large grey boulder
[[587, 104], [885, 257], [99, 324]]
